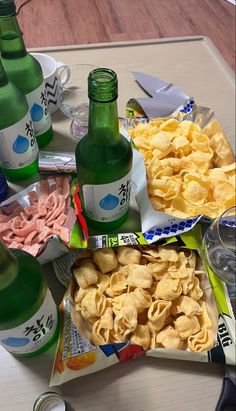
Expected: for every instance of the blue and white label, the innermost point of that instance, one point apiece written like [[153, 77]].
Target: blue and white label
[[18, 145], [38, 105], [107, 202], [34, 333]]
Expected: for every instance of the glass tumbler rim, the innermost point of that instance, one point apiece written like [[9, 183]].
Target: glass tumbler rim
[[218, 229]]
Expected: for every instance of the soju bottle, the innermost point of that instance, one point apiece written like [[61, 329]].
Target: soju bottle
[[18, 145], [28, 315], [25, 71], [104, 156]]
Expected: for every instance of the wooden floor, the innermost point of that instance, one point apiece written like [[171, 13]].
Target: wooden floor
[[61, 22]]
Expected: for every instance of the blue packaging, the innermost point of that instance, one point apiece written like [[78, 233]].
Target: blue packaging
[[3, 187]]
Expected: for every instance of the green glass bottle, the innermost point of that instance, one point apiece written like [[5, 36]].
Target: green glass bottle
[[29, 322], [104, 156], [18, 145], [25, 71]]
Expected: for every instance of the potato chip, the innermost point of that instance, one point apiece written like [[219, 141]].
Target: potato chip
[[229, 169], [105, 259], [158, 312], [147, 155], [151, 254], [186, 326], [139, 276], [195, 189], [202, 341], [128, 255], [168, 254], [116, 338], [169, 338], [181, 272], [187, 127], [142, 299], [157, 169], [195, 292], [158, 269], [153, 334], [182, 208], [103, 282], [166, 188], [177, 213], [117, 303], [187, 284], [211, 128], [223, 154], [80, 293], [106, 320], [201, 142], [141, 336], [168, 289], [224, 191], [204, 318], [181, 142], [118, 283], [123, 269], [100, 335], [126, 320], [186, 305], [192, 259], [161, 144], [169, 125], [102, 327], [86, 274], [93, 304], [216, 175], [197, 162]]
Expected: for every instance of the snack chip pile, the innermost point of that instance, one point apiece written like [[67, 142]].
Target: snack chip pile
[[190, 171], [49, 213], [151, 296]]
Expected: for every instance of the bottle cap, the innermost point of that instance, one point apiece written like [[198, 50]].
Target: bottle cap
[[49, 401], [7, 7]]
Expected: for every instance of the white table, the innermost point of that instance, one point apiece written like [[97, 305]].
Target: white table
[[145, 383]]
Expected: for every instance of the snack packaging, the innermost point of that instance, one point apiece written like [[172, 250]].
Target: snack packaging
[[45, 219], [78, 355]]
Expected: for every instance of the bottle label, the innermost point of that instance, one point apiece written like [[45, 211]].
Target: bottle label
[[18, 145], [35, 332], [38, 105], [107, 202]]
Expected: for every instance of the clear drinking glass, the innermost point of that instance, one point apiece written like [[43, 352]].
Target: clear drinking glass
[[73, 96], [220, 248]]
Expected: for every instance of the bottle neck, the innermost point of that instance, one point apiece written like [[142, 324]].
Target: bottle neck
[[11, 41], [3, 76], [8, 267], [103, 127]]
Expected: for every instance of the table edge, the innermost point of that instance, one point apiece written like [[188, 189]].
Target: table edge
[[185, 39]]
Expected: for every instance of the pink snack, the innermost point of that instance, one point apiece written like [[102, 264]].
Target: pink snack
[[30, 228]]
